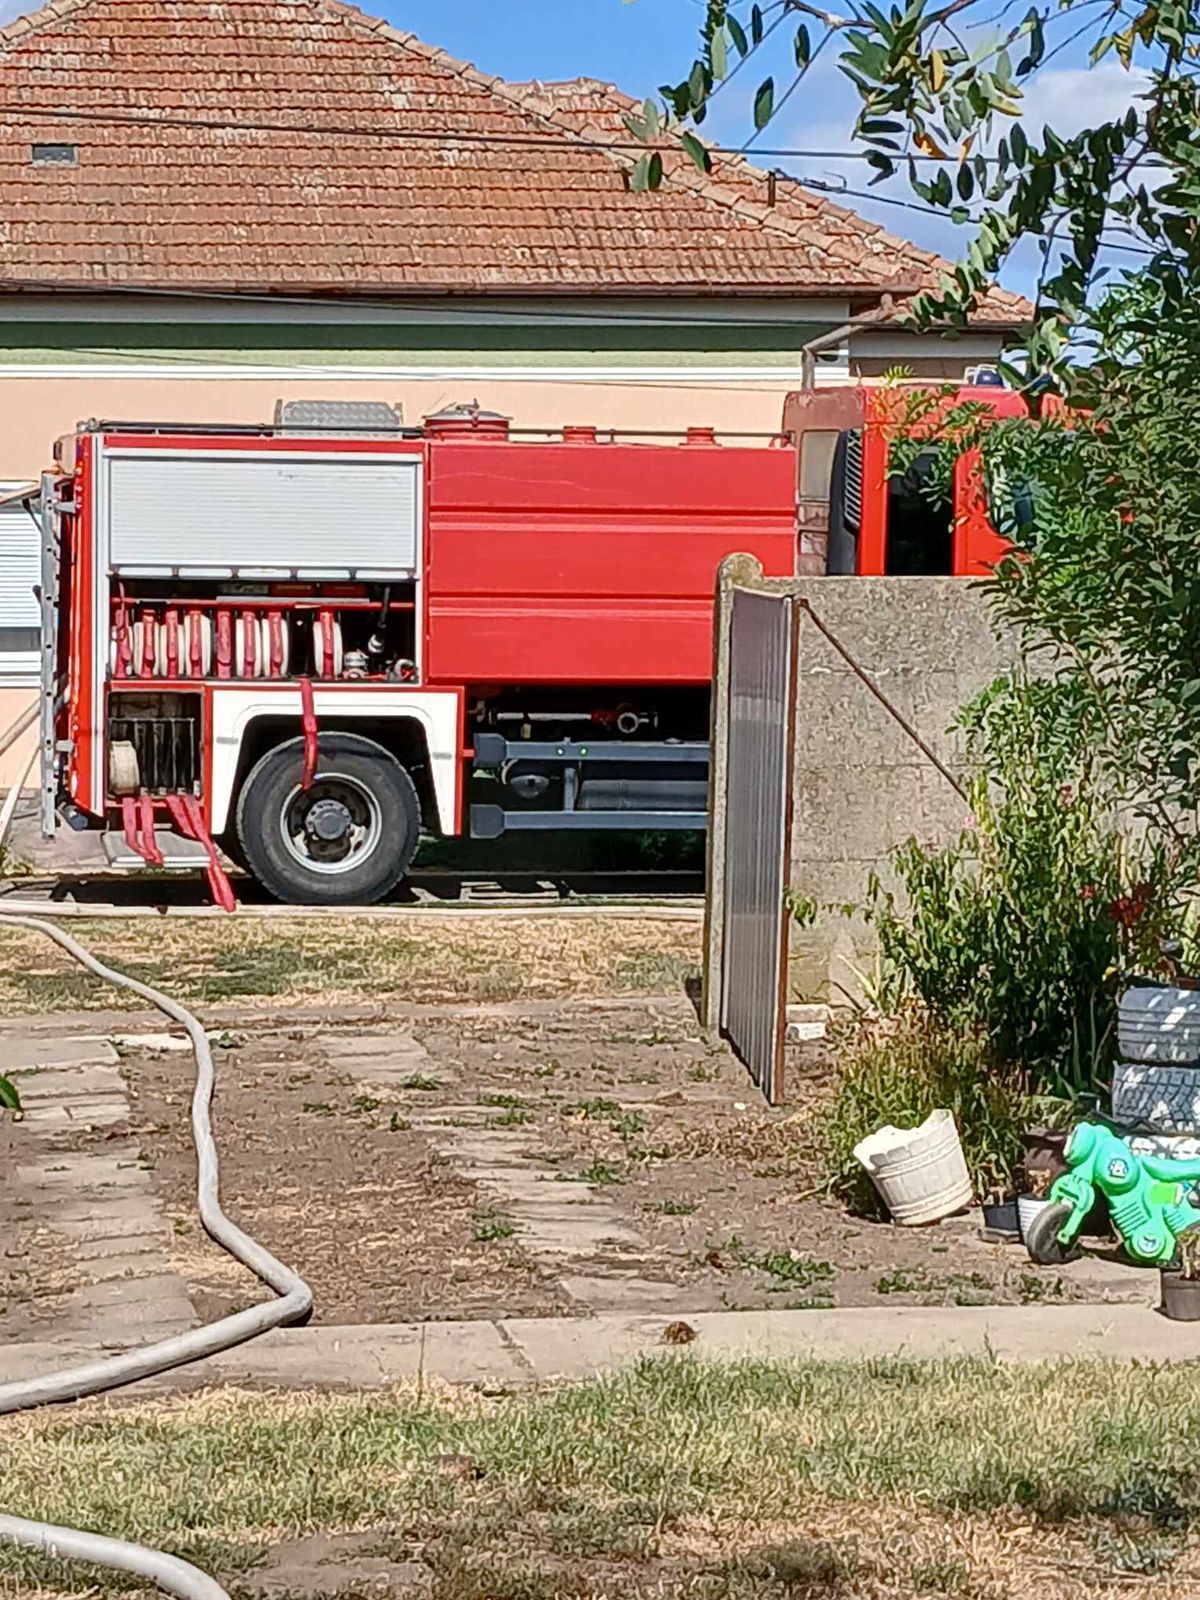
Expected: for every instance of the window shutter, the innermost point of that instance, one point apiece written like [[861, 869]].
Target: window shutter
[[20, 571]]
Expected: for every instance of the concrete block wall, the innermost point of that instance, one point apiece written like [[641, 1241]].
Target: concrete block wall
[[862, 786]]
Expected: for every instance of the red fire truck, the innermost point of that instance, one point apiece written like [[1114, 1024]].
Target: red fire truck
[[307, 642]]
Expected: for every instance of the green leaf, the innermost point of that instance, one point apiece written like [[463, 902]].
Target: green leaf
[[647, 172], [719, 51], [965, 183], [650, 118], [698, 151], [764, 104], [1018, 144], [697, 86], [803, 47], [756, 24], [10, 1100], [738, 34]]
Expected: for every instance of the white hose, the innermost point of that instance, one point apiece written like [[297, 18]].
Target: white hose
[[293, 1304]]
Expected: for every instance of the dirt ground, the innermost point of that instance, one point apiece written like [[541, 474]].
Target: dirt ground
[[690, 1193]]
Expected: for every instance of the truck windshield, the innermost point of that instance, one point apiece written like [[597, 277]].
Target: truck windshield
[[920, 523]]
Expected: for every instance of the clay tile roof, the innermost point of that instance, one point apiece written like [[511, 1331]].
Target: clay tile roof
[[299, 145]]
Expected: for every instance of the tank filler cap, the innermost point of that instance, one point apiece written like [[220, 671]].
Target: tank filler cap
[[701, 436], [579, 433], [468, 421]]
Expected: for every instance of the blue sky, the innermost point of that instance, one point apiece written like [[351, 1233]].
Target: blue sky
[[639, 44]]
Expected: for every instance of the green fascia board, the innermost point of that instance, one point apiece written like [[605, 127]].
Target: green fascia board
[[500, 345]]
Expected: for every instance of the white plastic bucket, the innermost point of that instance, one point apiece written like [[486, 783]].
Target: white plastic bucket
[[1159, 1024], [920, 1173], [1028, 1207]]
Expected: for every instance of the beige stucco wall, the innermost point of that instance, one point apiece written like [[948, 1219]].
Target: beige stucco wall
[[35, 410]]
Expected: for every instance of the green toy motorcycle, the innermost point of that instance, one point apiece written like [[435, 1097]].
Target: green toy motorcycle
[[1151, 1200]]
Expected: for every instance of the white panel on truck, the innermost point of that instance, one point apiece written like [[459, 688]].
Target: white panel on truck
[[203, 510]]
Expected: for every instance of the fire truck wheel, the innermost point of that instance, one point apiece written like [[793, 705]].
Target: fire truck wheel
[[345, 840]]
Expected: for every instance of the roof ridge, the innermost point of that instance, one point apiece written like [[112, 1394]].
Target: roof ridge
[[54, 11]]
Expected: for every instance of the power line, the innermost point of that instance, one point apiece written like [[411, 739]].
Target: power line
[[118, 117]]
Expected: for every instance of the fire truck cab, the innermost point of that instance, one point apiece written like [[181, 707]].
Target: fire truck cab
[[854, 516]]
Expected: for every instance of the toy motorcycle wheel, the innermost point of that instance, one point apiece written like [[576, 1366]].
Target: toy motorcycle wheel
[[1041, 1237]]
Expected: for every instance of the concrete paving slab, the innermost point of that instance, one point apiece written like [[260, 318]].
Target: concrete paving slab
[[28, 1053], [456, 1352], [111, 1218], [80, 1175], [525, 1350], [89, 1113], [68, 1083]]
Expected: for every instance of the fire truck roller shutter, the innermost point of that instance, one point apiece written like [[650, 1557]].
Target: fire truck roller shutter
[[347, 839]]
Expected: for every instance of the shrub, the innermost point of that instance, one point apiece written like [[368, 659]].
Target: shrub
[[899, 1071]]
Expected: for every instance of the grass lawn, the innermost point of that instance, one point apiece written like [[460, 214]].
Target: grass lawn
[[675, 1478], [330, 960]]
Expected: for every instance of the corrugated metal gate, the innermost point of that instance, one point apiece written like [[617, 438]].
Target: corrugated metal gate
[[759, 768]]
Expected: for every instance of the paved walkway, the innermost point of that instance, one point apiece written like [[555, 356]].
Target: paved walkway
[[115, 1285], [519, 1352]]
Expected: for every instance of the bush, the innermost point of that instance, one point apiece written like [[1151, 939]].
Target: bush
[[899, 1071]]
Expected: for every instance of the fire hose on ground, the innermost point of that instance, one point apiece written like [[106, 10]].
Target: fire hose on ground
[[293, 1304]]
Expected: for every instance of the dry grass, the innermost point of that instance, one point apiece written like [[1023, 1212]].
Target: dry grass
[[886, 1480], [334, 960]]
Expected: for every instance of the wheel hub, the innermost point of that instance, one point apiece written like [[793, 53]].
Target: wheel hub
[[328, 821]]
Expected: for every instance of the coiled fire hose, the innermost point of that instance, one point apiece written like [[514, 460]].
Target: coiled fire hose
[[293, 1304]]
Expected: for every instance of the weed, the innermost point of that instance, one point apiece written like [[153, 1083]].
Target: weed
[[600, 1172], [639, 1154], [594, 1110], [514, 1117], [489, 1225], [510, 1102], [398, 1124], [365, 1104], [702, 1074], [1034, 1290], [319, 1108], [676, 1208], [419, 1080]]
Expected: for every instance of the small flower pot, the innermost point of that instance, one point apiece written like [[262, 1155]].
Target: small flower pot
[[1000, 1222], [1028, 1206], [1180, 1295]]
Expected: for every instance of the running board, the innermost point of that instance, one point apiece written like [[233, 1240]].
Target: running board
[[178, 854]]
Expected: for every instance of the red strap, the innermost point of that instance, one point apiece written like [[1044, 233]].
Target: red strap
[[149, 623], [124, 644], [224, 644], [189, 819], [325, 663], [308, 721], [195, 624], [171, 624], [249, 644], [129, 822], [275, 629], [150, 850], [137, 820]]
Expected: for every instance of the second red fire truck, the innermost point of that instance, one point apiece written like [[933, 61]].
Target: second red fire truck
[[308, 642]]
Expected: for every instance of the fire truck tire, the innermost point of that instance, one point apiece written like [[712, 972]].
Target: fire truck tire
[[346, 840]]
